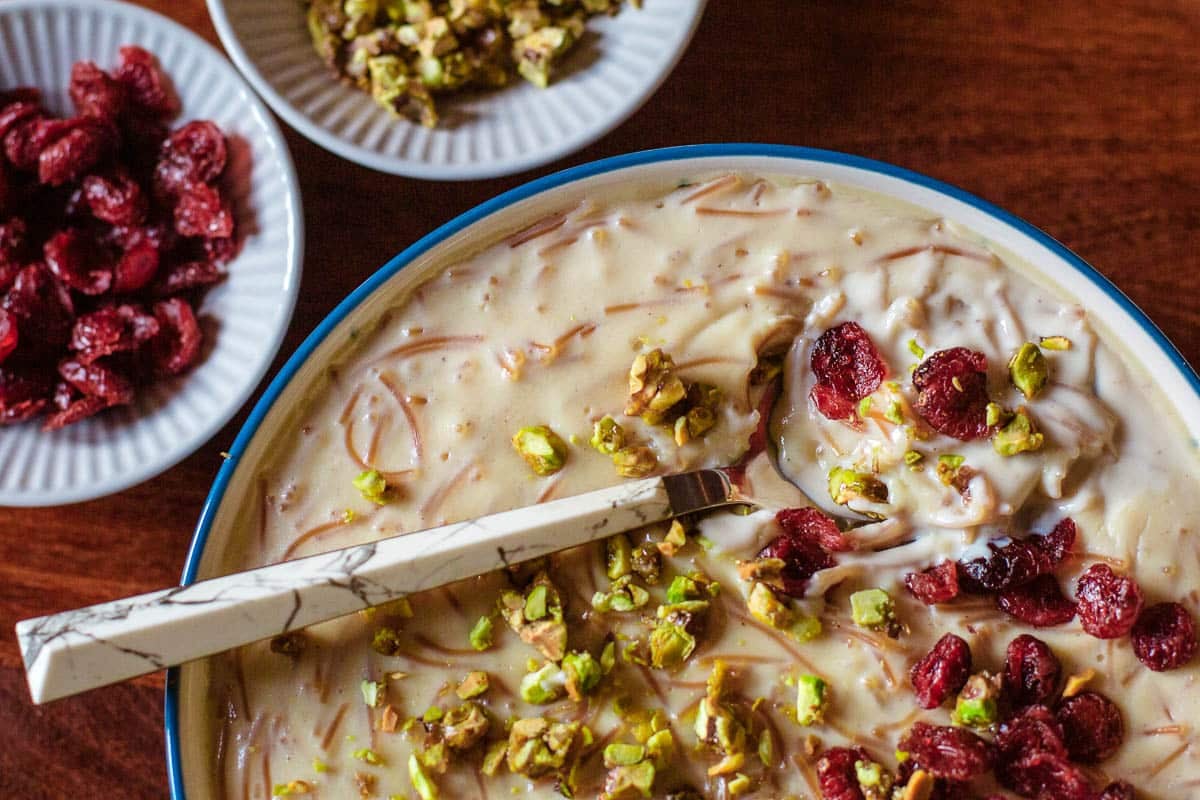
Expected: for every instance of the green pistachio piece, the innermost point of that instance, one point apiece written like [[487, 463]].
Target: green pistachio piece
[[544, 685], [432, 714], [916, 349], [618, 556], [607, 436], [660, 746], [740, 784], [912, 458], [670, 645], [653, 386], [872, 608], [481, 634], [624, 595], [386, 642], [542, 449], [422, 783], [948, 465], [372, 486], [608, 657], [864, 406], [621, 755], [463, 727], [372, 692], [766, 607], [1055, 343], [995, 414], [976, 706], [1019, 435], [367, 756], [475, 684], [291, 788], [535, 603], [811, 700], [683, 587], [537, 747], [1028, 370], [647, 563], [894, 413], [633, 780], [846, 485], [583, 673], [494, 758], [538, 52], [874, 781], [637, 461]]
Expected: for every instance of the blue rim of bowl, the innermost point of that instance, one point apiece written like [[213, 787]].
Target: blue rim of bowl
[[553, 181]]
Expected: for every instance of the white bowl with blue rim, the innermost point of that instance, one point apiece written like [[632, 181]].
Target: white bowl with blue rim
[[187, 714], [244, 317]]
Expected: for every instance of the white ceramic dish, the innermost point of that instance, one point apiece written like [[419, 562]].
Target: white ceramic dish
[[244, 317], [606, 78], [186, 714]]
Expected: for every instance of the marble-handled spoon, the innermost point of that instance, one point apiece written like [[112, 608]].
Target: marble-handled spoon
[[90, 647]]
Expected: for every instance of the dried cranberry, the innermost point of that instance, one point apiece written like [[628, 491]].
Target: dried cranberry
[[115, 198], [1039, 603], [177, 345], [43, 308], [1020, 561], [1164, 637], [23, 145], [802, 558], [72, 155], [809, 523], [84, 407], [847, 367], [111, 330], [144, 82], [948, 752], [200, 211], [942, 672], [8, 334], [1047, 776], [12, 250], [1031, 672], [201, 274], [99, 380], [1092, 726], [952, 393], [17, 112], [68, 255], [1117, 790], [1034, 730], [159, 234], [94, 92], [936, 584], [1109, 603], [196, 153], [136, 267], [221, 249], [20, 94], [23, 394], [836, 774]]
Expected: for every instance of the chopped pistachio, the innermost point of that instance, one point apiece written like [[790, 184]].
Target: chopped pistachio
[[1076, 683], [977, 706], [494, 758], [872, 608], [535, 603], [1019, 435], [637, 461], [864, 406], [874, 781], [675, 539], [623, 595], [475, 684], [894, 413], [608, 657], [618, 556], [386, 642], [915, 348], [690, 587], [537, 52], [653, 386], [543, 449], [811, 700], [1028, 370], [670, 645], [912, 458], [740, 784], [464, 726], [846, 485], [1055, 343], [537, 746], [995, 414], [625, 782], [583, 674], [948, 465], [372, 692], [544, 685], [373, 487], [659, 747], [319, 766], [646, 562], [704, 402], [481, 634], [432, 714], [549, 633], [620, 755], [367, 756], [422, 783], [291, 788], [607, 436]]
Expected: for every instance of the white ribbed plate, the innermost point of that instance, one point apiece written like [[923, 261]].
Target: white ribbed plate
[[244, 317], [608, 76]]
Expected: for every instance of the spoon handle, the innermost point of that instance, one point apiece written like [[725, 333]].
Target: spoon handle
[[75, 651]]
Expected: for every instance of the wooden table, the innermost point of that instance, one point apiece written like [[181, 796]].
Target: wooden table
[[1082, 117]]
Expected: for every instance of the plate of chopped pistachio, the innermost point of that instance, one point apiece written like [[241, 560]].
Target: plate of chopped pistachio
[[455, 90]]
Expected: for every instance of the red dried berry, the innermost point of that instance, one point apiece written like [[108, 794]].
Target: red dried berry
[[1039, 603], [145, 84], [23, 394], [809, 523], [847, 367], [111, 330], [936, 584], [1020, 561], [1031, 672], [1109, 603], [943, 671], [948, 752], [1117, 790], [8, 334], [200, 211], [43, 309], [17, 112], [82, 408], [1164, 637], [12, 250], [177, 345], [95, 93], [115, 198], [952, 393], [836, 775], [73, 154], [136, 267], [802, 559], [188, 275], [196, 153], [1048, 776], [68, 254], [98, 380], [23, 145], [221, 249], [1034, 730], [20, 94], [1092, 726]]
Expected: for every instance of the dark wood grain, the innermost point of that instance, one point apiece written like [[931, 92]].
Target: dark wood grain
[[1082, 117]]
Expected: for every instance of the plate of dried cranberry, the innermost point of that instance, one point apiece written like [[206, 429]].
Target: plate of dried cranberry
[[150, 246]]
